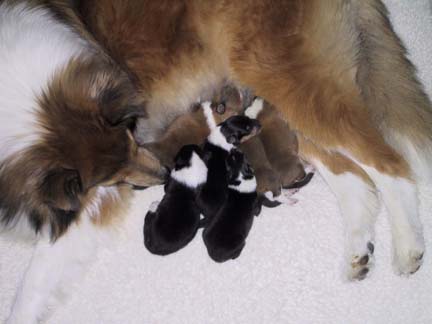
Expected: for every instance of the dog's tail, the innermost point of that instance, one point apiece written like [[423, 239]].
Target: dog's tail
[[397, 101]]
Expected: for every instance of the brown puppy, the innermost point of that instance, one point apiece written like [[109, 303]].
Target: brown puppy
[[279, 142]]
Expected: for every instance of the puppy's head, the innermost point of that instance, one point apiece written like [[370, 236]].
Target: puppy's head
[[81, 142], [238, 129]]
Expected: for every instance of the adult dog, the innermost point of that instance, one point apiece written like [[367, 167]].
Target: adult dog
[[334, 68]]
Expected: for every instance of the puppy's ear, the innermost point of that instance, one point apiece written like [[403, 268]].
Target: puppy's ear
[[61, 189], [119, 107]]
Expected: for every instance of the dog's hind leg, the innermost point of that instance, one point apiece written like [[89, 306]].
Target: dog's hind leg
[[53, 267], [358, 202]]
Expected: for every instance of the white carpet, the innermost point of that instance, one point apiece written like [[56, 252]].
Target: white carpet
[[289, 272]]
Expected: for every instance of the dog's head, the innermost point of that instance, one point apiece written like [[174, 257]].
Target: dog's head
[[81, 142], [238, 129]]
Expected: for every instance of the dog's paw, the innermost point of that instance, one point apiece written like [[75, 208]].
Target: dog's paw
[[408, 255], [361, 262]]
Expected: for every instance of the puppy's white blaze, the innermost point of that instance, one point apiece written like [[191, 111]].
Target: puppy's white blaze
[[359, 206], [254, 110], [208, 113], [192, 176], [245, 186], [33, 46], [215, 137], [218, 139]]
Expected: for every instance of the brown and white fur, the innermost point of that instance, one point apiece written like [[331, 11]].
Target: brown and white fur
[[334, 68], [67, 158]]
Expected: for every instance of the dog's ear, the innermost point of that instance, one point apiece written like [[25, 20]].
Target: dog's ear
[[118, 107], [61, 189]]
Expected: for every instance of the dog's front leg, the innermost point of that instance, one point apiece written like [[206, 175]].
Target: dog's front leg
[[54, 267]]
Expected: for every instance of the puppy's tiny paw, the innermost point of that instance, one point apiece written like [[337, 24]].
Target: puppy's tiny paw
[[153, 206], [290, 192]]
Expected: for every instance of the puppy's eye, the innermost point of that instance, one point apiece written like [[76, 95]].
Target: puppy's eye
[[248, 128]]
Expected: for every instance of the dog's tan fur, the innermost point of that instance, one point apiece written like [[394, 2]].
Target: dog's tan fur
[[313, 82]]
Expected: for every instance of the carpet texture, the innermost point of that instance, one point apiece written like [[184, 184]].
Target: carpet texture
[[291, 270]]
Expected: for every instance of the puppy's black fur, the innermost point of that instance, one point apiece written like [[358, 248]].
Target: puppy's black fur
[[217, 148], [226, 233], [177, 218]]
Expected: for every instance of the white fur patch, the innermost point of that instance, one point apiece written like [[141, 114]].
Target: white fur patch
[[33, 46], [92, 209], [245, 186], [192, 176], [400, 198], [54, 269], [254, 110], [208, 113], [216, 138], [359, 205]]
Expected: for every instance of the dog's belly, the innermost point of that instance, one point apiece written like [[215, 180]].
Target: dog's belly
[[174, 96]]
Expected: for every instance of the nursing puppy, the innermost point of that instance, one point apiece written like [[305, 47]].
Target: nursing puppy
[[280, 144], [192, 127], [173, 223], [222, 139], [226, 233]]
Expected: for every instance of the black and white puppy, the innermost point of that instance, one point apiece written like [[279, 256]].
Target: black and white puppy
[[173, 223], [222, 139], [226, 233]]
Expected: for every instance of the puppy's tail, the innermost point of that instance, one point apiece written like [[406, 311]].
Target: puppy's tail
[[397, 101], [301, 183], [266, 202]]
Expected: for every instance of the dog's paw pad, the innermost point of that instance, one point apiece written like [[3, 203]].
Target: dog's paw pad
[[361, 264]]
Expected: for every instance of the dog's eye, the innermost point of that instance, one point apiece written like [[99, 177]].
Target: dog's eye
[[248, 128]]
